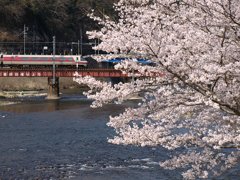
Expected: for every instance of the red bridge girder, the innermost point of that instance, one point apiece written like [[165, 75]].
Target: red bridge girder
[[66, 73], [60, 73]]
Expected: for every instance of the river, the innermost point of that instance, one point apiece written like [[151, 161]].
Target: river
[[66, 139]]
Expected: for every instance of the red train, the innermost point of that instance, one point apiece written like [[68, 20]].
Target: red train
[[69, 61]]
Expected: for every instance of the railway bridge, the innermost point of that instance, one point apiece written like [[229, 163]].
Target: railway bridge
[[53, 92], [30, 72]]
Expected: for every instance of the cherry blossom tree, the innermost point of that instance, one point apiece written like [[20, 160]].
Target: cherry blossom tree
[[196, 104]]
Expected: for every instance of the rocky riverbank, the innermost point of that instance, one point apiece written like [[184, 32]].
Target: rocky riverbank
[[16, 94], [5, 103]]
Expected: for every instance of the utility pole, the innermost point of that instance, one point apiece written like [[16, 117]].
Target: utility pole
[[53, 81], [78, 47], [98, 46], [24, 33], [81, 40], [54, 43], [95, 46]]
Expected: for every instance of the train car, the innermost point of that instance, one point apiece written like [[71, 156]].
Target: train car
[[69, 61]]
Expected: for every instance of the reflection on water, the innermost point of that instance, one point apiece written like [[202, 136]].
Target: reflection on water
[[38, 105], [71, 99]]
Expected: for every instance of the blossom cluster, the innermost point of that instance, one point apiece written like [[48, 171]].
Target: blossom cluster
[[196, 45]]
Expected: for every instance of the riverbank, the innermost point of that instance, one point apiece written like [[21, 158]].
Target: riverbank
[[5, 103], [16, 94]]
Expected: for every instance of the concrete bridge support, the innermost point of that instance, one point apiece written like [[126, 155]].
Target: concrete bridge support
[[53, 90]]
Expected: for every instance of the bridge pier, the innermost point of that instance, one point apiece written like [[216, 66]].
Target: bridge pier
[[53, 90]]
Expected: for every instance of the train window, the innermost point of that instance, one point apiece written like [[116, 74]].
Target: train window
[[70, 59], [53, 58], [44, 58], [62, 59], [34, 58], [12, 58], [25, 58]]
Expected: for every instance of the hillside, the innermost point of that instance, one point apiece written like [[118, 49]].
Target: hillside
[[45, 19]]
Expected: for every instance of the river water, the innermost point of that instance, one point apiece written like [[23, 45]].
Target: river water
[[66, 139]]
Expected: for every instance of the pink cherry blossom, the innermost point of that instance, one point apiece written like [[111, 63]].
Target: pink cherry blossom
[[196, 45]]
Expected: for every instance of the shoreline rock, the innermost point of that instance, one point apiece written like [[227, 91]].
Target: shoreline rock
[[16, 94]]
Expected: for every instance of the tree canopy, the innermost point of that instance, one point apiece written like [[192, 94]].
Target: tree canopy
[[62, 18], [196, 45]]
